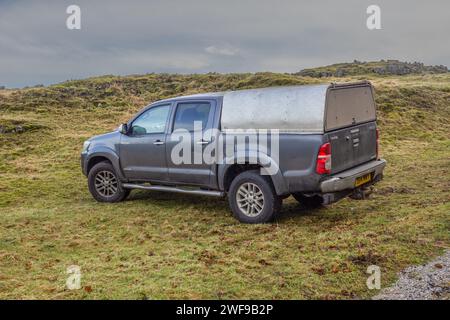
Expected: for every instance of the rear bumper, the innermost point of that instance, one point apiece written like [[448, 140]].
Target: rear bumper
[[346, 180]]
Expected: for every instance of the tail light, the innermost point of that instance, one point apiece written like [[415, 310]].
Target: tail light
[[323, 163], [378, 143]]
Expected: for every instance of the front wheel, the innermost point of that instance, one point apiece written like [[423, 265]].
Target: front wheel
[[104, 184], [252, 198]]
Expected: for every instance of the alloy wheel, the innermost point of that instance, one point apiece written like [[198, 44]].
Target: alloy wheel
[[106, 183], [250, 199]]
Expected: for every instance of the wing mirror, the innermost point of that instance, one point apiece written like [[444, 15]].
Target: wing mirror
[[123, 128]]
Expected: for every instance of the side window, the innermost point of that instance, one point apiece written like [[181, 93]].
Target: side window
[[189, 112], [151, 121]]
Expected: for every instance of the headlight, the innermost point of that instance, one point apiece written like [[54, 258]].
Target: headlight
[[86, 145]]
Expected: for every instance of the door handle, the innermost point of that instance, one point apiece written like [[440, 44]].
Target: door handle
[[158, 142], [203, 141]]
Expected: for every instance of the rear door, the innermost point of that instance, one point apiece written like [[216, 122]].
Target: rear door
[[194, 119], [350, 125]]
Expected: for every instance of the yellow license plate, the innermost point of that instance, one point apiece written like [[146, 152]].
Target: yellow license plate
[[363, 179]]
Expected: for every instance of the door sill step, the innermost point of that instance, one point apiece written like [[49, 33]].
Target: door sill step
[[201, 192]]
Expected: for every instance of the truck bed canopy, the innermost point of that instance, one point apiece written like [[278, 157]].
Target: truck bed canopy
[[299, 109]]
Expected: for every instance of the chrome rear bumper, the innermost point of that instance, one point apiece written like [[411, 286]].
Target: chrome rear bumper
[[346, 180]]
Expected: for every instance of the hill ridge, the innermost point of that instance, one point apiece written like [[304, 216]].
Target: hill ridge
[[382, 67]]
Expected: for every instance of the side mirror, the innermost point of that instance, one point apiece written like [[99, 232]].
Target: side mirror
[[123, 128]]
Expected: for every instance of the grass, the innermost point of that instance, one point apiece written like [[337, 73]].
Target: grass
[[160, 245]]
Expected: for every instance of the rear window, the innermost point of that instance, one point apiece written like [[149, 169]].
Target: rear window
[[349, 106], [188, 113]]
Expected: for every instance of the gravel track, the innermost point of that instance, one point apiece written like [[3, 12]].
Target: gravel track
[[425, 282]]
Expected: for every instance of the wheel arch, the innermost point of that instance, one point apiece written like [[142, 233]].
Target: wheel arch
[[236, 165], [104, 154], [95, 160]]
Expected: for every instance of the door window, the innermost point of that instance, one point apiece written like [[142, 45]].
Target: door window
[[153, 120], [188, 113]]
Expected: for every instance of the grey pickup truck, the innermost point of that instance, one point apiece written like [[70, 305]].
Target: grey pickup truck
[[318, 143]]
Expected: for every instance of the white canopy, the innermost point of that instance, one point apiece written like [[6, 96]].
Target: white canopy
[[299, 109], [288, 109]]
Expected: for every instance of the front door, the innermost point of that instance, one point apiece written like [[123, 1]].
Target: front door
[[194, 119], [143, 149]]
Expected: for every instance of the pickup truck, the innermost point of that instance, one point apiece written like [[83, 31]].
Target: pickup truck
[[318, 143]]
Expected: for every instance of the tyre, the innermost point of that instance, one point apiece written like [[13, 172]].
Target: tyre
[[252, 198], [104, 184], [309, 201]]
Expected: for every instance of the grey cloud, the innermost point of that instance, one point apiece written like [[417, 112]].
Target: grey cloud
[[223, 50], [189, 36]]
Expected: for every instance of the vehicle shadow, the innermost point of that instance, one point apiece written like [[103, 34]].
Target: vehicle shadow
[[291, 209], [177, 198]]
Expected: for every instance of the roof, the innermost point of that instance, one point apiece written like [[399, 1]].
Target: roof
[[196, 96]]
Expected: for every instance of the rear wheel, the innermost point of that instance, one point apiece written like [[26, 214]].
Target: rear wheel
[[252, 198], [309, 201], [104, 184]]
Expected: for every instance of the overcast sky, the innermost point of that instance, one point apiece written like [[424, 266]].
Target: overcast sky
[[197, 36]]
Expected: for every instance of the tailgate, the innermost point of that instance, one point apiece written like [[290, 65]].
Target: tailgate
[[352, 146], [350, 125]]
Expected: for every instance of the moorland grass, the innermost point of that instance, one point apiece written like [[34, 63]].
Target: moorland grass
[[161, 245]]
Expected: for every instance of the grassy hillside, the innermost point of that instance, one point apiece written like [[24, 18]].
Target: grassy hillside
[[161, 245], [382, 67]]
